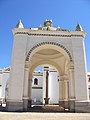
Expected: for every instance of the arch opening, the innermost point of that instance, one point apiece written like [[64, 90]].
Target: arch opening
[[47, 89], [53, 57]]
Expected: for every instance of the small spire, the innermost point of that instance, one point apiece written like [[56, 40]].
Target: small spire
[[79, 28], [19, 25], [40, 27], [51, 20], [58, 28]]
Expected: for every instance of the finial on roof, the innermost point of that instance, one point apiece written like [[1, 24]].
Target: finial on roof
[[79, 28], [58, 28], [51, 20], [47, 23], [40, 27], [19, 25]]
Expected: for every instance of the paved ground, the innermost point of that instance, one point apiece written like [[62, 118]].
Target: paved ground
[[44, 116]]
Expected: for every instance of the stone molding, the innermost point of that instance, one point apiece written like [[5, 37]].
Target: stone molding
[[70, 65], [25, 97], [49, 43], [64, 77], [55, 35]]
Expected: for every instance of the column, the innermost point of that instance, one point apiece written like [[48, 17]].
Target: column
[[16, 80], [66, 93], [61, 91], [25, 90], [66, 90], [71, 88], [44, 86], [30, 90], [46, 98], [71, 84]]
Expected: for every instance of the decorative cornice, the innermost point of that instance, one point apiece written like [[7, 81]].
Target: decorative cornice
[[52, 35], [49, 43]]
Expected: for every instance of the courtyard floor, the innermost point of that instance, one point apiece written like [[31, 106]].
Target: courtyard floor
[[43, 116]]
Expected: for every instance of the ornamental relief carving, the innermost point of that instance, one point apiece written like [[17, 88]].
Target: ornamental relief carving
[[49, 43]]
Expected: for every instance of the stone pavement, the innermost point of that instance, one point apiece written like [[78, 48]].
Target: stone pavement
[[43, 116]]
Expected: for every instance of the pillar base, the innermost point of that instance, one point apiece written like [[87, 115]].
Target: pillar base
[[25, 104], [82, 106], [71, 104], [14, 106], [46, 101], [66, 104], [61, 103], [29, 103]]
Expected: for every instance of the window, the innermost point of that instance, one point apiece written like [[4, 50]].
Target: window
[[35, 81], [89, 80]]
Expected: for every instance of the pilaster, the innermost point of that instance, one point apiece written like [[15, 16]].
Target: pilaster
[[61, 91], [14, 105], [71, 87], [25, 90]]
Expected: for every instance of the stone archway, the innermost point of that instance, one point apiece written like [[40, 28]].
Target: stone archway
[[50, 54], [61, 48]]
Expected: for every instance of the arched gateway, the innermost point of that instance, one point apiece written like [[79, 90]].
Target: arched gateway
[[47, 45]]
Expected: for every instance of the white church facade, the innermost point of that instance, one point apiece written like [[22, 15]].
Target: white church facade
[[37, 86], [54, 48]]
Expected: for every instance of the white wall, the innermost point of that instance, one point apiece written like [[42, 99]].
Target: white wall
[[4, 76], [36, 89], [37, 94], [0, 85], [53, 87]]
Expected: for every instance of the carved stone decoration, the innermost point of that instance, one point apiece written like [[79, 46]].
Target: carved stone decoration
[[49, 43], [47, 23]]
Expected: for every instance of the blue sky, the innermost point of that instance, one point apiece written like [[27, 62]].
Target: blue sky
[[65, 13]]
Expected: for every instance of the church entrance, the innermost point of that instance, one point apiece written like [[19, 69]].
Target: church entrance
[[53, 89], [48, 46]]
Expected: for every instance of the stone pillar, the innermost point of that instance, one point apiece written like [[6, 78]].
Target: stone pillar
[[29, 90], [25, 90], [71, 88], [80, 68], [46, 98], [15, 91], [71, 85], [66, 92], [44, 86], [63, 85], [61, 91]]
